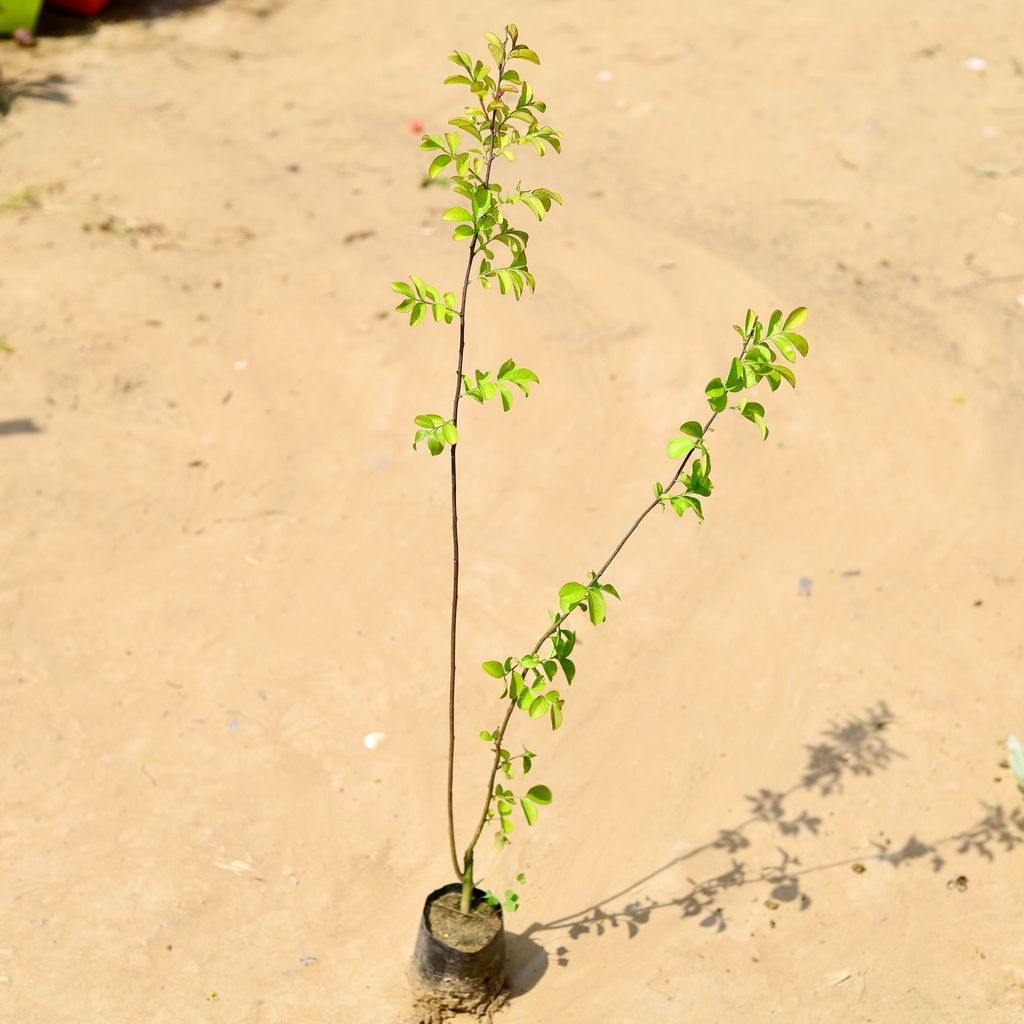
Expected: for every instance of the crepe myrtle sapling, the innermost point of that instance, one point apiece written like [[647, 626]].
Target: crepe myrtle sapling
[[504, 115]]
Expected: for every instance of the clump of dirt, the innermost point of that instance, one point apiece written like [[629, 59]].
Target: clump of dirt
[[433, 1009], [468, 932]]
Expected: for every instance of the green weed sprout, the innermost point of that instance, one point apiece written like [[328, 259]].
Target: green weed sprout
[[1015, 751], [502, 116]]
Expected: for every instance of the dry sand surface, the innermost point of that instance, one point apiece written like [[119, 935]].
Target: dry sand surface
[[221, 564]]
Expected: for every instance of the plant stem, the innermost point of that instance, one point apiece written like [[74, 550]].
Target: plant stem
[[464, 873], [499, 736], [467, 884], [455, 571]]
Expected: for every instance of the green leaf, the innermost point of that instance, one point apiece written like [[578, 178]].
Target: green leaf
[[417, 313], [786, 347], [451, 435], [571, 594], [680, 503], [456, 213], [524, 53], [556, 716], [517, 687], [796, 318], [438, 164], [539, 706], [506, 396], [403, 289], [485, 735], [425, 421], [534, 204], [693, 428], [734, 382], [595, 601], [481, 202], [435, 446], [680, 446], [786, 374], [522, 376], [718, 399], [539, 795], [798, 341], [529, 809], [755, 413], [494, 668], [609, 589]]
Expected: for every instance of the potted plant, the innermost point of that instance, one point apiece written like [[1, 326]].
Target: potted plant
[[87, 7], [18, 14], [458, 963]]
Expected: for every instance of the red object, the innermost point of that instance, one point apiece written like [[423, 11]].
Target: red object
[[79, 6], [415, 126]]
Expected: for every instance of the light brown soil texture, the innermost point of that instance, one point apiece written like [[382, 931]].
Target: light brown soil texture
[[222, 565]]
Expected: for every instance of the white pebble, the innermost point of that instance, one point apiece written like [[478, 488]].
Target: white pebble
[[975, 64], [374, 739]]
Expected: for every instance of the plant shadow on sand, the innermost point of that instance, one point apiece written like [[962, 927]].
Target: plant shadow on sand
[[50, 88], [527, 961], [23, 426], [856, 747]]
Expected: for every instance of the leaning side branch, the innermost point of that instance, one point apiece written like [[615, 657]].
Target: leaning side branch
[[526, 681]]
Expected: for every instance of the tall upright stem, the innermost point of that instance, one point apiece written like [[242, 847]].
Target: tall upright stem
[[464, 872], [455, 569]]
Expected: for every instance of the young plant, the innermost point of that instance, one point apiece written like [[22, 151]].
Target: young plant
[[1015, 752], [502, 116]]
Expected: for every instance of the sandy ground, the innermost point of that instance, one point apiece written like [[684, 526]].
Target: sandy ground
[[221, 565]]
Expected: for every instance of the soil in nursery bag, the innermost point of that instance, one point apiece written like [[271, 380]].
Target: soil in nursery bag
[[467, 932], [459, 961]]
